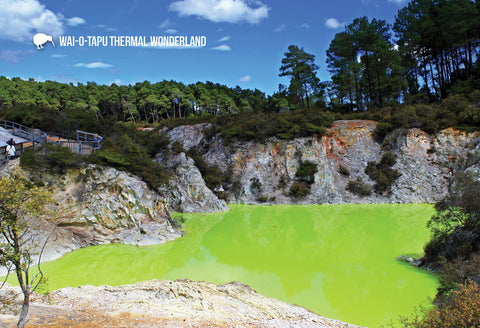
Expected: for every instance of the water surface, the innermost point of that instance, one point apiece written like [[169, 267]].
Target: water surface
[[336, 260]]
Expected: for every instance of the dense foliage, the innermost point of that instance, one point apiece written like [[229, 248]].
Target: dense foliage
[[460, 309], [304, 178], [32, 102], [454, 249], [382, 173], [431, 52], [50, 158], [359, 187], [286, 125], [125, 147]]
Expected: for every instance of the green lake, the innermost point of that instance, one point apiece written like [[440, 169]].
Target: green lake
[[336, 260]]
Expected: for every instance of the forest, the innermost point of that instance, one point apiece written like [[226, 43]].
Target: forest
[[429, 56]]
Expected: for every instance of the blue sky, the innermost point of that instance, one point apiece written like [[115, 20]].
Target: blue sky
[[246, 39]]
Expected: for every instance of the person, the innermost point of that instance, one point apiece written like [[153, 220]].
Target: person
[[96, 139], [11, 142], [10, 151]]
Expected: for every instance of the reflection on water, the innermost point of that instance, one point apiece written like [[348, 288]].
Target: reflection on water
[[337, 260]]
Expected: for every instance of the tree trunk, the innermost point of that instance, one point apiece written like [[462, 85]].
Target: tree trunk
[[25, 306]]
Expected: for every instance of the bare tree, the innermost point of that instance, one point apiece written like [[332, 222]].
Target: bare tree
[[19, 200]]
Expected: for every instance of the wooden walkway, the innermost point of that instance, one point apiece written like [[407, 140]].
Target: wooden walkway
[[84, 143]]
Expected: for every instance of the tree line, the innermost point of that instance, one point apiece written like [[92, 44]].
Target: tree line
[[429, 53], [143, 101]]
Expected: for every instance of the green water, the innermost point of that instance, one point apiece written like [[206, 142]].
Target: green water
[[336, 260]]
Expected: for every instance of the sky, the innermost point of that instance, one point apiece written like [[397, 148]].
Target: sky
[[244, 41]]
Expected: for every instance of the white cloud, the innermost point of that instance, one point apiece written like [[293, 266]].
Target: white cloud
[[398, 2], [164, 24], [280, 28], [224, 39], [57, 56], [93, 65], [13, 56], [75, 21], [21, 19], [223, 47], [305, 26], [171, 31], [230, 11], [117, 82], [333, 23], [108, 28], [246, 79]]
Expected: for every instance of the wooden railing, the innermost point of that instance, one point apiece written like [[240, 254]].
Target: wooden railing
[[85, 144], [32, 135]]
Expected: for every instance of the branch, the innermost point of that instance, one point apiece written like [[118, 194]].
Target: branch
[[6, 277], [40, 272]]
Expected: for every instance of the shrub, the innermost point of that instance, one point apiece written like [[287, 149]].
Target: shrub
[[263, 199], [457, 272], [299, 190], [343, 170], [382, 173], [127, 148], [306, 172], [51, 158], [461, 308], [383, 128], [359, 187], [177, 148], [282, 181], [260, 126], [212, 175]]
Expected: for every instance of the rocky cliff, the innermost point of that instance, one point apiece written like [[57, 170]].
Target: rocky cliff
[[99, 205], [187, 191], [266, 170]]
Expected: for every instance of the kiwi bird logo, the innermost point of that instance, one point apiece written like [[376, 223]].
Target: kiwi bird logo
[[40, 39]]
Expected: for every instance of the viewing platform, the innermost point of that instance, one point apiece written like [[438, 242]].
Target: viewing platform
[[83, 143]]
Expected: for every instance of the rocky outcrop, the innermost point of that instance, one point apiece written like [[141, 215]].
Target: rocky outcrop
[[157, 303], [99, 205], [187, 191], [266, 170]]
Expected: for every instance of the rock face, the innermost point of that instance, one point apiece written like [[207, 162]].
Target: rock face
[[266, 170], [113, 206], [187, 191], [97, 205], [165, 304]]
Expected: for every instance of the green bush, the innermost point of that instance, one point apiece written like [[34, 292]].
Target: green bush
[[51, 158], [299, 189], [359, 187], [383, 128], [212, 175], [382, 173], [260, 126], [177, 148], [460, 308], [263, 199], [127, 148], [306, 172]]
